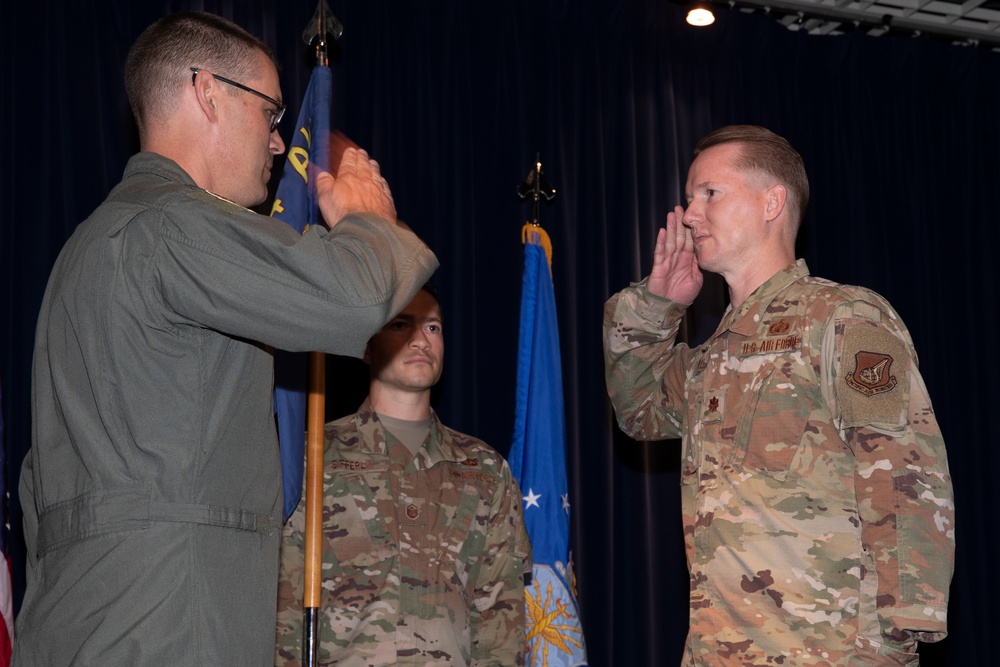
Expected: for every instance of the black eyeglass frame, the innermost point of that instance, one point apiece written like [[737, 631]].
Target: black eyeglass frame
[[275, 115]]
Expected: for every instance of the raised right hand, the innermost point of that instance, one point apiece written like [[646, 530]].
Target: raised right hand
[[675, 274], [357, 188]]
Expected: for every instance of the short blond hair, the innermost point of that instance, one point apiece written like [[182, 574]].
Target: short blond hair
[[764, 152]]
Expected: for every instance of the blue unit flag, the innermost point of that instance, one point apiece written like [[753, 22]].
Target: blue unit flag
[[538, 461], [295, 203]]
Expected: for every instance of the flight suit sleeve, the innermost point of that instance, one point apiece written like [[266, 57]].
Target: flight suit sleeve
[[224, 268]]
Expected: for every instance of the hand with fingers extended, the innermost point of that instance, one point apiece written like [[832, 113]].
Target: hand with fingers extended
[[358, 187], [675, 274]]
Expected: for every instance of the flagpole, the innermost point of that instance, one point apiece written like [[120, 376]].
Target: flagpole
[[313, 575], [322, 22]]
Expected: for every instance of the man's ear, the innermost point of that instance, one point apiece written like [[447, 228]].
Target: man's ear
[[775, 197], [206, 91]]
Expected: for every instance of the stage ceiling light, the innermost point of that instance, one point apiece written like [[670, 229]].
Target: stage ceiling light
[[700, 16]]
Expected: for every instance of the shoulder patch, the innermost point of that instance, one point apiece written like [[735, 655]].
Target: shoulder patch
[[873, 382], [872, 373]]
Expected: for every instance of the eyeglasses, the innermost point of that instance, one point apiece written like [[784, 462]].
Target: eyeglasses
[[275, 115]]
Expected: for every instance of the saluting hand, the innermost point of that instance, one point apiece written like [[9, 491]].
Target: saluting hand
[[675, 274], [358, 187]]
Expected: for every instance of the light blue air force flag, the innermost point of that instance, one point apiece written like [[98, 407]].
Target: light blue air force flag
[[295, 204], [538, 461]]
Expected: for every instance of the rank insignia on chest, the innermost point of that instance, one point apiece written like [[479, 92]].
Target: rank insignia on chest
[[412, 512], [871, 373], [713, 405]]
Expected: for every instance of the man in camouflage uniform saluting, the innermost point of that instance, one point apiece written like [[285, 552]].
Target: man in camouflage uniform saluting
[[817, 505], [424, 548]]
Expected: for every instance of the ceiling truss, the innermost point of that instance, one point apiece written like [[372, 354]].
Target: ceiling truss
[[972, 23]]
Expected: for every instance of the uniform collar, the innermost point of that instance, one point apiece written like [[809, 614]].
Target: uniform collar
[[439, 445], [158, 165], [745, 319]]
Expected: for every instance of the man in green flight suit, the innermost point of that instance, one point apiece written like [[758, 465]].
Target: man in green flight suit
[[152, 491]]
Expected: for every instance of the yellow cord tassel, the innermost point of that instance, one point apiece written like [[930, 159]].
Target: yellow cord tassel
[[532, 233]]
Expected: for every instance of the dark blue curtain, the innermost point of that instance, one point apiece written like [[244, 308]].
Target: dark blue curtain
[[901, 138]]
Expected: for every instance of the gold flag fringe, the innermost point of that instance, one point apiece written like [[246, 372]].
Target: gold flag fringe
[[532, 233]]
